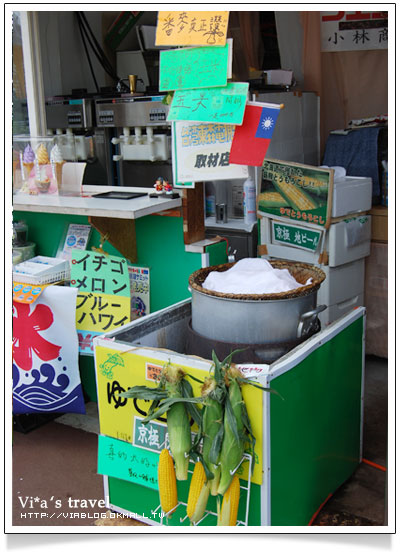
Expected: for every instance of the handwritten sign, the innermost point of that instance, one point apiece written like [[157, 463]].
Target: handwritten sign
[[104, 299], [124, 461], [191, 28], [201, 152], [188, 68], [221, 105], [152, 436]]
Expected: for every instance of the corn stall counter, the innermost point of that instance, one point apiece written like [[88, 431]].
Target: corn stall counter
[[307, 440]]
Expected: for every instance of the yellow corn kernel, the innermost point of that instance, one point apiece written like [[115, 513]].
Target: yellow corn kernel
[[167, 482], [272, 196], [198, 494], [227, 515], [297, 196]]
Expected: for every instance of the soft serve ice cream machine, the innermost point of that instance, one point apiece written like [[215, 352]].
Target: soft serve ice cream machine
[[142, 139], [72, 121]]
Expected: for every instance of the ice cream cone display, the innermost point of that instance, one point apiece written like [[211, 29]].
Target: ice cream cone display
[[28, 161], [42, 155], [57, 163]]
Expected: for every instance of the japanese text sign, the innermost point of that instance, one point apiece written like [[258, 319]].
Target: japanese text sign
[[191, 28], [223, 105], [300, 192], [139, 278], [124, 461], [305, 238], [188, 68], [103, 302], [342, 31], [201, 152], [120, 418]]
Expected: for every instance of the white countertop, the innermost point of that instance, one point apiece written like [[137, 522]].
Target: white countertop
[[74, 204], [231, 224]]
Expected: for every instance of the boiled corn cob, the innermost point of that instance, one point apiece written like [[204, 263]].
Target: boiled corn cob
[[234, 432], [272, 199], [167, 482], [198, 494], [296, 198], [227, 513]]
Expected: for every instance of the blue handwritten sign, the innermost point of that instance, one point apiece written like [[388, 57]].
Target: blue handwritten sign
[[124, 461], [188, 68], [223, 105]]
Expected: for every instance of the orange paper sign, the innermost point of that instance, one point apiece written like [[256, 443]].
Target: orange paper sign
[[192, 28]]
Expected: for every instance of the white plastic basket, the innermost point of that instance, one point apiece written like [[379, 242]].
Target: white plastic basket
[[41, 270]]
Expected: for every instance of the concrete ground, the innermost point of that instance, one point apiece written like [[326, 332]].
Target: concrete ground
[[55, 469]]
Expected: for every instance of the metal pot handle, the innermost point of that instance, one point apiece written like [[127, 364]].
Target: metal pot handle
[[307, 320]]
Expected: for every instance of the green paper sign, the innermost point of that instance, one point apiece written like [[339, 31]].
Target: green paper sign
[[304, 238], [223, 105], [188, 68], [95, 272], [124, 461]]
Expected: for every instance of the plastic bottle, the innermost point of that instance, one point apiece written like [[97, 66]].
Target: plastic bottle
[[249, 201]]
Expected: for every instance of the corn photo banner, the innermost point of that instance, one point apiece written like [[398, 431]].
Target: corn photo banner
[[300, 192], [118, 371]]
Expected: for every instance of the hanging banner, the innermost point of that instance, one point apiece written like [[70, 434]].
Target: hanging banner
[[251, 140], [190, 68], [300, 192], [220, 105], [104, 298], [341, 31], [45, 354], [191, 28], [200, 152]]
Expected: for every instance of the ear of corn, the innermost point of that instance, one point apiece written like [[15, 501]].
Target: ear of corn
[[296, 198], [198, 494], [234, 435], [167, 482], [227, 513], [179, 438], [272, 199], [212, 432]]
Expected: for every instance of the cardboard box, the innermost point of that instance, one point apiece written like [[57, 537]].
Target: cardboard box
[[379, 229]]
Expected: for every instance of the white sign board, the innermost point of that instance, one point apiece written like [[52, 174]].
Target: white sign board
[[200, 152], [342, 31]]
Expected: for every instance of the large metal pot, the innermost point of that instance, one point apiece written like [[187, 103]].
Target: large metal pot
[[257, 319]]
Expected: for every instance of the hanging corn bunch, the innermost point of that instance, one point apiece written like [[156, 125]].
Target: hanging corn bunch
[[171, 397]]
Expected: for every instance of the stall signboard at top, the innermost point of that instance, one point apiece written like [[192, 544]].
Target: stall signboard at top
[[191, 28], [348, 31], [190, 68], [220, 105], [299, 192]]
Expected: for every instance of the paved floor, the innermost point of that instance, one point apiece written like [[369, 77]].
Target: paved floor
[[55, 469]]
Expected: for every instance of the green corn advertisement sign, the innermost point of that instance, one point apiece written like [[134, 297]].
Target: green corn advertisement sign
[[296, 191]]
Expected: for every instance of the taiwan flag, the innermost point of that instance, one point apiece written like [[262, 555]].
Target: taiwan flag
[[251, 140]]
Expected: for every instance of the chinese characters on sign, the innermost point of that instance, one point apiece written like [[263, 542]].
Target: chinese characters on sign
[[189, 68], [342, 31], [191, 28], [124, 461], [297, 191], [304, 238], [152, 436], [223, 105], [201, 152], [103, 301]]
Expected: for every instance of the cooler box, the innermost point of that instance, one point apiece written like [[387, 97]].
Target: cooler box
[[307, 443]]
